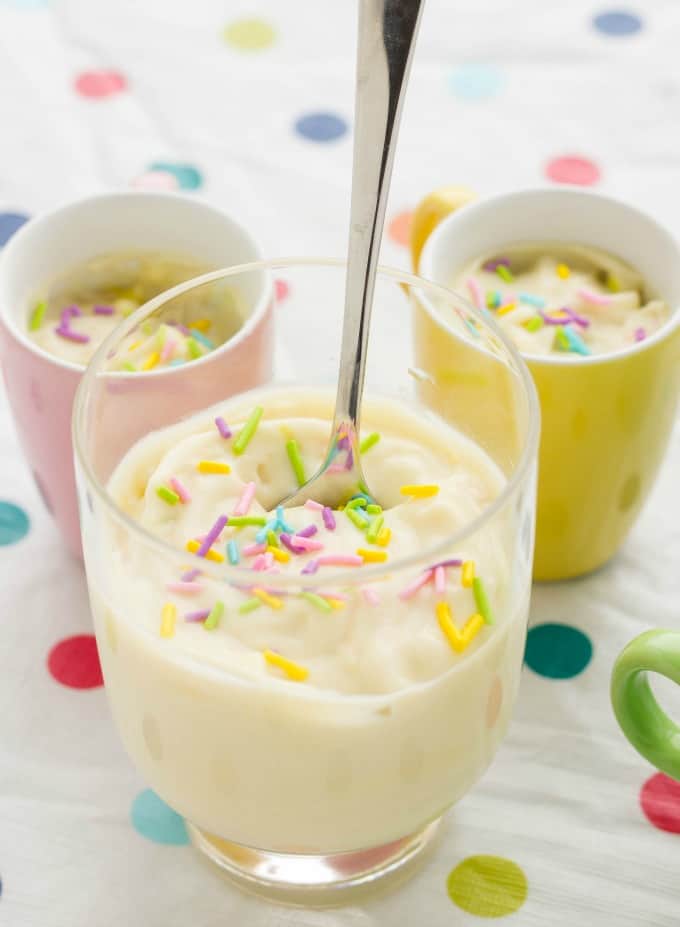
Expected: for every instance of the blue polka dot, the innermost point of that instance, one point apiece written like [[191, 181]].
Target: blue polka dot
[[557, 651], [153, 819], [321, 127], [14, 523], [476, 81], [617, 22], [187, 176], [10, 222]]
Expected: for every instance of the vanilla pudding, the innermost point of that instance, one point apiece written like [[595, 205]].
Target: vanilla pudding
[[567, 299], [288, 683]]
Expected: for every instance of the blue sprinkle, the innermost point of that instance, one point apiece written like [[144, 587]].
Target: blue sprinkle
[[576, 342], [177, 362], [232, 553], [261, 535], [199, 336], [281, 522], [536, 301]]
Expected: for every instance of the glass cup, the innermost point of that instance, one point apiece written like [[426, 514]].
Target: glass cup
[[302, 789]]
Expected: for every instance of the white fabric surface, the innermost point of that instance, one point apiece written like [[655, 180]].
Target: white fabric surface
[[561, 799]]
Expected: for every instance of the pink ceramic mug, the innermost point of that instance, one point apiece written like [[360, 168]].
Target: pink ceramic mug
[[41, 387]]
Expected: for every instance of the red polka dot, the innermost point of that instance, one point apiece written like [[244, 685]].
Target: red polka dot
[[660, 801], [282, 290], [74, 662], [399, 229], [96, 85], [155, 180], [573, 169]]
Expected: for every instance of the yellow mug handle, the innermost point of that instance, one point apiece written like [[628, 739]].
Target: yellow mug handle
[[429, 213]]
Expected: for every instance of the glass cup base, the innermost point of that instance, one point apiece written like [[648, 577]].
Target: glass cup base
[[310, 880]]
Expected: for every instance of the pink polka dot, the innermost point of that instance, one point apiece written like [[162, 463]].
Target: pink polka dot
[[573, 169], [155, 180], [282, 290], [96, 85], [660, 801], [74, 662], [399, 229]]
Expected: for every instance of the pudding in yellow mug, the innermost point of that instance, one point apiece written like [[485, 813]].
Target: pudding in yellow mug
[[606, 417]]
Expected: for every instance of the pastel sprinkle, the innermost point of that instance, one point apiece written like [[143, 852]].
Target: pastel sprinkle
[[595, 299], [384, 536], [369, 442], [212, 536], [246, 434], [340, 560], [295, 458], [200, 615], [232, 552], [504, 273], [317, 601], [314, 506], [335, 602], [203, 339], [213, 618], [494, 263], [282, 556], [373, 509], [184, 588], [328, 518], [576, 343], [375, 528], [133, 346], [370, 596], [253, 549], [202, 325], [281, 523], [640, 334], [103, 310], [168, 619], [415, 586], [193, 547], [129, 366], [37, 316], [482, 600], [506, 308], [243, 505], [358, 519], [310, 568], [271, 600], [423, 491], [167, 495], [475, 292], [447, 563], [561, 340], [222, 427], [530, 300], [440, 579], [562, 271], [180, 489], [288, 543], [272, 539], [493, 299], [70, 335], [372, 556], [300, 541], [191, 575], [459, 640], [168, 349], [249, 606], [468, 574], [212, 466], [151, 361], [307, 532], [70, 312], [292, 670], [534, 324], [193, 349]]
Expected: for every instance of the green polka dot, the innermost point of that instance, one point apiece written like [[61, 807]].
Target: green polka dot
[[557, 651], [250, 34], [488, 886], [187, 176], [14, 523]]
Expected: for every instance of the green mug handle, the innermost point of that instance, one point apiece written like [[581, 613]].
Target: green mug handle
[[646, 726]]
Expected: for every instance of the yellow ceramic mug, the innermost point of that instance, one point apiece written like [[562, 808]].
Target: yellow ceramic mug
[[606, 419]]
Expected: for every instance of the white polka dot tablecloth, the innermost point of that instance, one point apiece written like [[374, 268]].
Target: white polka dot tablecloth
[[249, 105]]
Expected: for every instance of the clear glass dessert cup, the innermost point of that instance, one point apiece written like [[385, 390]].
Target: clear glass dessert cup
[[298, 789]]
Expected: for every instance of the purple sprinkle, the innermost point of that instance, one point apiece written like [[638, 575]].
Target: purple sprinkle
[[222, 427], [640, 334], [328, 518], [103, 310], [71, 312], [183, 329], [197, 616], [446, 563], [307, 532], [65, 332], [579, 319], [349, 463], [190, 575], [343, 444], [286, 541], [311, 567], [212, 536], [550, 321], [496, 262]]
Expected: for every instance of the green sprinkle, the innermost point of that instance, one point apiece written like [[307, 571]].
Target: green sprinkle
[[534, 324], [128, 365], [213, 618], [233, 552], [296, 463], [373, 509], [249, 605], [193, 348], [561, 340], [246, 433], [167, 495], [374, 529], [358, 520], [272, 539], [205, 341], [364, 488], [481, 600], [493, 299], [369, 442], [240, 521], [317, 600], [37, 316], [504, 273], [358, 502]]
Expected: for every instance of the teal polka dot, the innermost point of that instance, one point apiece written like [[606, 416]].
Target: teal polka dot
[[14, 523], [187, 176], [153, 819], [475, 82], [557, 651]]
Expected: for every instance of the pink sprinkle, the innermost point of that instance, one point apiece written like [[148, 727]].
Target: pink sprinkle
[[243, 505], [269, 560], [475, 292], [70, 335], [340, 560], [596, 299], [298, 540], [168, 349], [311, 567], [447, 563], [496, 262], [180, 489], [212, 536], [440, 579], [328, 518], [253, 549], [260, 562], [307, 532], [371, 596], [69, 313], [190, 575], [329, 594], [183, 329], [579, 319], [336, 468], [640, 334], [185, 588], [103, 310], [197, 616], [314, 506], [417, 584], [287, 542], [223, 428]]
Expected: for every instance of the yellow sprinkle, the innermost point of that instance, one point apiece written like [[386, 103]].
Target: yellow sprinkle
[[212, 466], [384, 537], [201, 325], [613, 284], [450, 631], [292, 670], [271, 600], [134, 345], [334, 603], [215, 556], [419, 492], [151, 361], [508, 307], [468, 573], [563, 271], [372, 556], [472, 627], [281, 555], [168, 619]]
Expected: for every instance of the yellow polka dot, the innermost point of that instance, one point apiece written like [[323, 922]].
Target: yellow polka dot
[[250, 34], [488, 886]]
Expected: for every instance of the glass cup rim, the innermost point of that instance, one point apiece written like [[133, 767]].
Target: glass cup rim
[[229, 573]]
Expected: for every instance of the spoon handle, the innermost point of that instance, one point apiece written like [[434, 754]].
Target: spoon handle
[[387, 32]]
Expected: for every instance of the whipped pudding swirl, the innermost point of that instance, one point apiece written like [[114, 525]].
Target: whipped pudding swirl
[[571, 300]]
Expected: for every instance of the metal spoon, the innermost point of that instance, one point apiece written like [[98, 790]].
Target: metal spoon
[[387, 32]]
